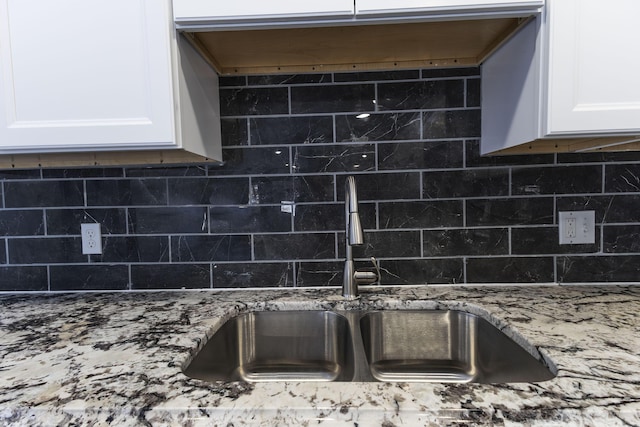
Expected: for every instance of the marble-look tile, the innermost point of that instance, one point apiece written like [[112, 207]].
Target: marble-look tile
[[166, 171], [421, 95], [333, 99], [334, 158], [288, 79], [557, 180], [421, 214], [210, 248], [208, 191], [253, 161], [386, 244], [451, 124], [420, 155], [514, 211], [611, 268], [307, 188], [45, 250], [127, 192], [133, 249], [510, 270], [170, 220], [621, 239], [253, 275], [249, 219], [377, 127], [472, 94], [23, 278], [291, 130], [544, 240], [170, 276], [89, 277], [20, 174], [601, 157], [422, 271], [465, 183], [622, 178], [225, 81], [295, 246], [3, 251], [25, 194], [94, 172], [328, 217], [387, 186], [431, 73], [475, 241], [253, 101], [609, 209], [377, 75], [21, 222], [473, 159], [312, 274], [67, 221], [234, 132]]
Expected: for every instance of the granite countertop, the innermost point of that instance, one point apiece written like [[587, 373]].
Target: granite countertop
[[116, 358]]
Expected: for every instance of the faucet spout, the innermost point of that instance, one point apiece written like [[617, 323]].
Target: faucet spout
[[354, 237]]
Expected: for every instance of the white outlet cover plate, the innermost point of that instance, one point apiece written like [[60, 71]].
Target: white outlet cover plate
[[91, 238], [584, 228]]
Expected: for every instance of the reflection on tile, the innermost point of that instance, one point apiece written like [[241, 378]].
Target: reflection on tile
[[307, 188], [377, 127], [451, 124], [334, 158], [168, 220], [253, 275], [252, 161]]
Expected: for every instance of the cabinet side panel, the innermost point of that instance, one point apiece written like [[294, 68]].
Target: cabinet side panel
[[510, 92]]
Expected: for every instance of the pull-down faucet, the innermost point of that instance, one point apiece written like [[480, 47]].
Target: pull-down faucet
[[354, 237]]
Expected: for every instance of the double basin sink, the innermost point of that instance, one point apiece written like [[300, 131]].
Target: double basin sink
[[393, 345]]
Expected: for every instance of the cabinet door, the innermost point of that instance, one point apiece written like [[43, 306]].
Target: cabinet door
[[85, 75], [377, 7], [248, 10], [593, 67]]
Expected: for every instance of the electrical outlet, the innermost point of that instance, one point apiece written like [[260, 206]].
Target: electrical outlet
[[91, 238], [577, 227]]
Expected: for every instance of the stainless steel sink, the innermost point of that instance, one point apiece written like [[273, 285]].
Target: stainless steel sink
[[394, 345], [278, 346], [444, 346]]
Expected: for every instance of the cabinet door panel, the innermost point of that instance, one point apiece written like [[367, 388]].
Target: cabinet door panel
[[594, 67], [374, 7], [77, 75], [239, 10]]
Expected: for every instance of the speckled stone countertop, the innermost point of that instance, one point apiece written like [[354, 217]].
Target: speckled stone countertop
[[116, 358]]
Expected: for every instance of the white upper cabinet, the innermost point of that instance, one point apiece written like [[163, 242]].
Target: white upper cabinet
[[80, 75], [385, 7], [566, 81], [594, 64], [193, 11]]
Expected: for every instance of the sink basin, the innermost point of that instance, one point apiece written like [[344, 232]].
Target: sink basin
[[444, 346], [393, 345], [277, 346]]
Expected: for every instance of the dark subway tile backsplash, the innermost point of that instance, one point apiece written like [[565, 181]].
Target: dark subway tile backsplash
[[272, 214]]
